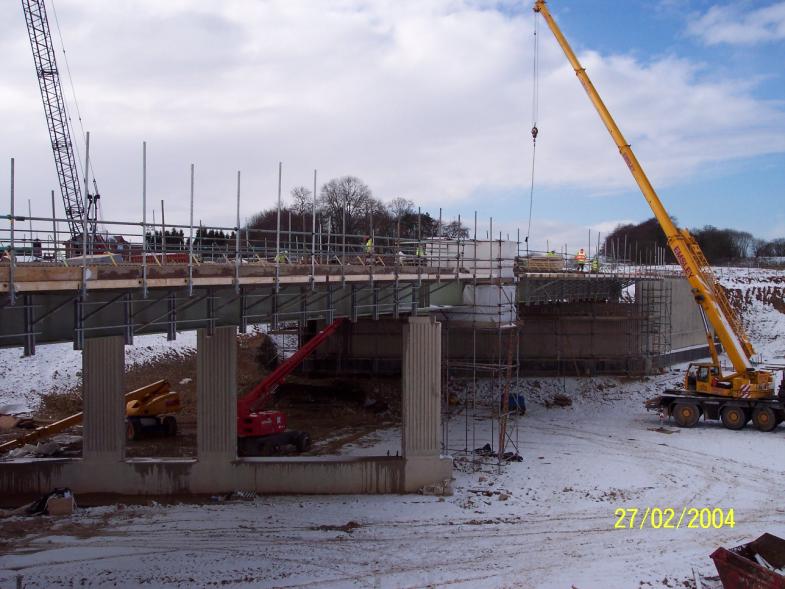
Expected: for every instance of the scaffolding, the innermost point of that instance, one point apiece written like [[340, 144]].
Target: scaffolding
[[481, 390], [655, 300]]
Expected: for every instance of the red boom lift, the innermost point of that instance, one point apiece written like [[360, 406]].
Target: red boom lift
[[260, 432]]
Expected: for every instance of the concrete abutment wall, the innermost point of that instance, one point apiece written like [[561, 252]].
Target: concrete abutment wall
[[578, 338], [217, 469]]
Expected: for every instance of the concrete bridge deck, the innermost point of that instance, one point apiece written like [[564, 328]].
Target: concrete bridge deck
[[36, 277], [53, 303], [44, 302]]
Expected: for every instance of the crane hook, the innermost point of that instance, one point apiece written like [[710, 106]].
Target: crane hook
[[535, 130]]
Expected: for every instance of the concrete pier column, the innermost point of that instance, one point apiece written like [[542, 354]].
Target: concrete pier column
[[216, 394], [103, 371], [421, 387]]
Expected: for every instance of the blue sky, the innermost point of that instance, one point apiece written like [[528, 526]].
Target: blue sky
[[429, 100], [747, 193]]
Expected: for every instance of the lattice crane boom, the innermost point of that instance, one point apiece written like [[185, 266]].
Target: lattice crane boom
[[57, 121]]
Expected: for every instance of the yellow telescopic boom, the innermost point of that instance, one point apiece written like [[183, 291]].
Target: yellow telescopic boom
[[708, 293]]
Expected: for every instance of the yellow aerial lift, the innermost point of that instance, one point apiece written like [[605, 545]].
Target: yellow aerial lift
[[734, 398]]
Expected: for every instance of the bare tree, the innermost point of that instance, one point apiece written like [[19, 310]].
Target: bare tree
[[743, 242], [301, 200], [399, 207], [455, 230], [348, 195]]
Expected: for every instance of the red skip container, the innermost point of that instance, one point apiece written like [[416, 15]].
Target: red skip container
[[739, 569]]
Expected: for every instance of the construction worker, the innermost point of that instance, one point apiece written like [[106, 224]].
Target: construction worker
[[368, 245], [281, 257], [419, 253], [595, 265], [580, 259], [551, 254]]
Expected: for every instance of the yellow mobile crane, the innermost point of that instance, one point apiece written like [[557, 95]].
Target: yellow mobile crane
[[734, 398]]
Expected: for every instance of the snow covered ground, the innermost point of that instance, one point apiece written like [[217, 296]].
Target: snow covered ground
[[544, 523], [547, 522], [58, 367]]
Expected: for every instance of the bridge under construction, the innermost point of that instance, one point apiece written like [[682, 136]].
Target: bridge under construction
[[457, 318]]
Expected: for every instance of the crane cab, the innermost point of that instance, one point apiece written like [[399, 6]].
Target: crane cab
[[706, 378]]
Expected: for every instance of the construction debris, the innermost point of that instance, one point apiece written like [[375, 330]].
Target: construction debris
[[234, 496], [348, 527], [59, 501], [486, 450], [558, 400], [39, 450], [438, 489]]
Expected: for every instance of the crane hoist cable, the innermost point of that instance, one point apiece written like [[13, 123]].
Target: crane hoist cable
[[535, 114]]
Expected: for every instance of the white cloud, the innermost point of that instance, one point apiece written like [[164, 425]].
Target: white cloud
[[735, 25], [427, 100]]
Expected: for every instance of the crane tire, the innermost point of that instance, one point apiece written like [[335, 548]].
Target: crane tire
[[133, 431], [170, 426], [686, 414], [733, 417], [764, 419], [303, 442]]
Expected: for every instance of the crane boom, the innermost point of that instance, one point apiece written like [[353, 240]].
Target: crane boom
[[57, 120], [261, 393], [708, 293]]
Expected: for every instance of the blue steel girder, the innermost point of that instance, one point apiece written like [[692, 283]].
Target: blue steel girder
[[128, 313]]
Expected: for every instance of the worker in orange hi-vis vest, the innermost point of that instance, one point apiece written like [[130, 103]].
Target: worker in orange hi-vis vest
[[580, 259]]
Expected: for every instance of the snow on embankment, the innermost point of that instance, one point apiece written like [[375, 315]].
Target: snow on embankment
[[58, 367], [758, 295]]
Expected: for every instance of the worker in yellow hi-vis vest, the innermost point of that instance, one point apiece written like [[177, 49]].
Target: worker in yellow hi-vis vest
[[419, 254]]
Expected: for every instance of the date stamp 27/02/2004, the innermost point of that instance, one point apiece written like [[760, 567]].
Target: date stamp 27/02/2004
[[668, 518]]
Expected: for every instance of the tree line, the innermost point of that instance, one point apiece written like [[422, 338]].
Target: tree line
[[347, 206], [637, 242], [175, 239]]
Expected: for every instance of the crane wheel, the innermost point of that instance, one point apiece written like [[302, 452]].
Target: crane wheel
[[303, 442], [264, 448], [686, 414], [133, 431], [170, 426], [764, 419], [733, 417]]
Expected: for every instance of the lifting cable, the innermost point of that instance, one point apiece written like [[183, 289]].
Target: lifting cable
[[535, 114]]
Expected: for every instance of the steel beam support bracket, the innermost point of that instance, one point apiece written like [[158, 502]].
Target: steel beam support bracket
[[171, 317], [29, 324]]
